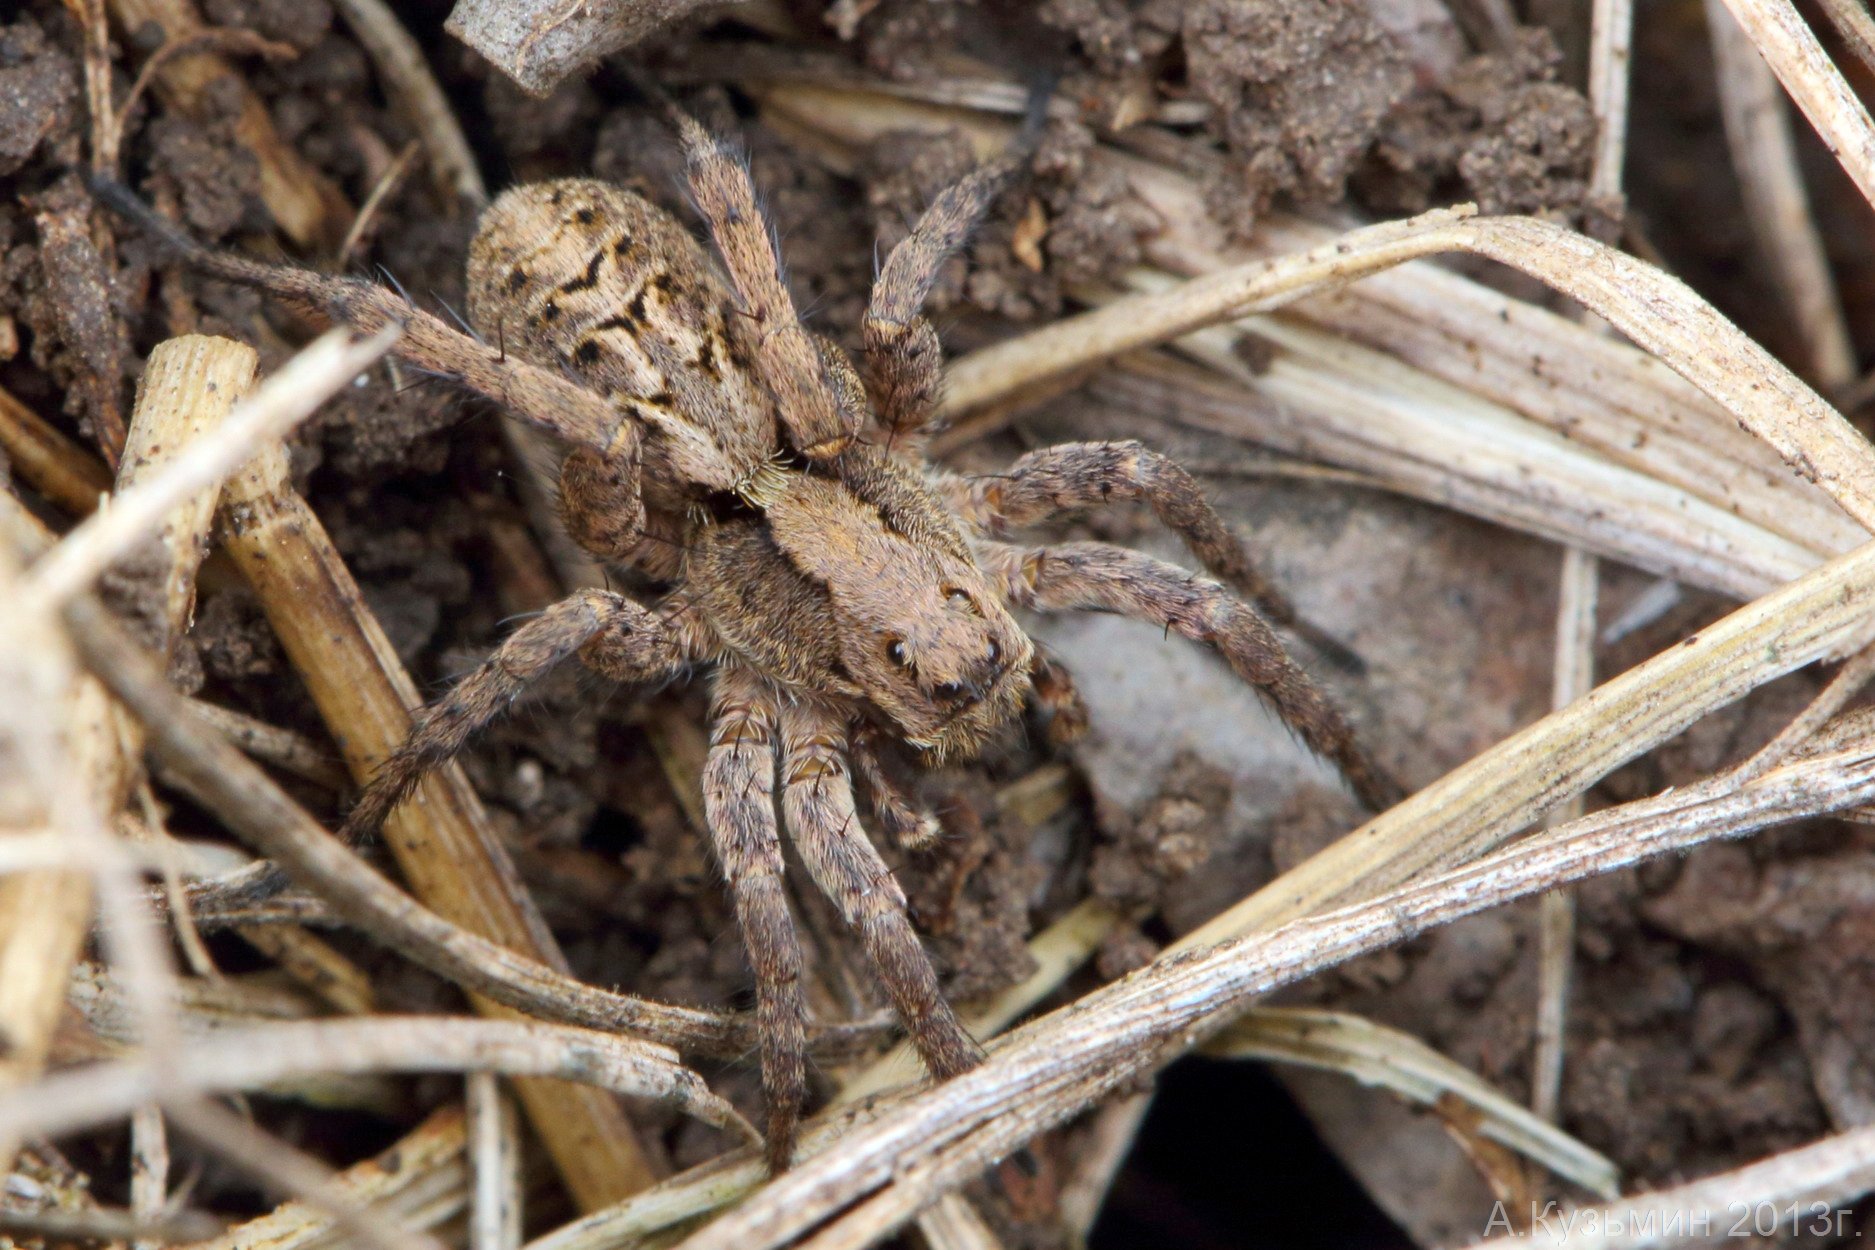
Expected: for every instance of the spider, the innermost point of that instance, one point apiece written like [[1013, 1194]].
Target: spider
[[846, 593]]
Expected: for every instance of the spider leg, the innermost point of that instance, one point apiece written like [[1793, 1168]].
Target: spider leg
[[1055, 480], [624, 640], [787, 356], [904, 363], [910, 823], [739, 803], [1052, 687], [817, 800], [1102, 578], [601, 502]]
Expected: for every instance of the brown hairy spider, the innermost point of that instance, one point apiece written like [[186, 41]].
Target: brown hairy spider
[[841, 588]]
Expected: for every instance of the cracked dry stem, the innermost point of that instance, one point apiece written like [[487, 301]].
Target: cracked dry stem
[[441, 839], [189, 385]]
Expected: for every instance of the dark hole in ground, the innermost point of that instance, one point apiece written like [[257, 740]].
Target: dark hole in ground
[[1226, 1161]]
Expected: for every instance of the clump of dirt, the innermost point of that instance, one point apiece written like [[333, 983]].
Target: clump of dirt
[[38, 94], [1174, 837], [197, 163], [66, 298], [1500, 130], [1298, 90], [1316, 99]]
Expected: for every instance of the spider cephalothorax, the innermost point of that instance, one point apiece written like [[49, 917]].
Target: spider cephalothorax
[[840, 588]]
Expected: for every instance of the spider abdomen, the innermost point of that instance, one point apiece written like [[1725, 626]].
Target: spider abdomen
[[584, 276]]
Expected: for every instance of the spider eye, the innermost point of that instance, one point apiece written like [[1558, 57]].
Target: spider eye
[[895, 651], [959, 599], [996, 651]]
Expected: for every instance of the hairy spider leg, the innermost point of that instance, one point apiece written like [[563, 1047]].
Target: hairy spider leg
[[904, 362], [623, 640], [817, 802], [1102, 578], [739, 804], [909, 822], [1054, 480], [788, 358]]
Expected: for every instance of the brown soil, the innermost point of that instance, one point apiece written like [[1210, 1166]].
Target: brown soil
[[1721, 1007]]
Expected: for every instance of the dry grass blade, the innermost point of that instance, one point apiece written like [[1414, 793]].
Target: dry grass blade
[[1574, 677], [1389, 1059], [1113, 1129], [57, 467], [995, 373], [953, 1224], [282, 402], [1791, 49], [28, 852], [1853, 23], [1764, 153], [926, 1143], [290, 1170], [1057, 951], [260, 1055], [60, 1227], [188, 387], [290, 752], [708, 1187], [1333, 400], [495, 1153]]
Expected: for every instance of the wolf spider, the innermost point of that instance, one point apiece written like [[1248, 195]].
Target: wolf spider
[[845, 591]]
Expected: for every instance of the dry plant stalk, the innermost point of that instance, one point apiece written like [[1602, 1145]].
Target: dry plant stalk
[[306, 205], [495, 1160], [541, 43], [1823, 615], [289, 1170], [441, 840], [140, 507], [285, 749], [1574, 677], [1432, 442], [57, 467], [1764, 155], [315, 964], [1385, 1058], [1788, 45], [1654, 309], [1857, 28], [262, 1054], [188, 387]]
